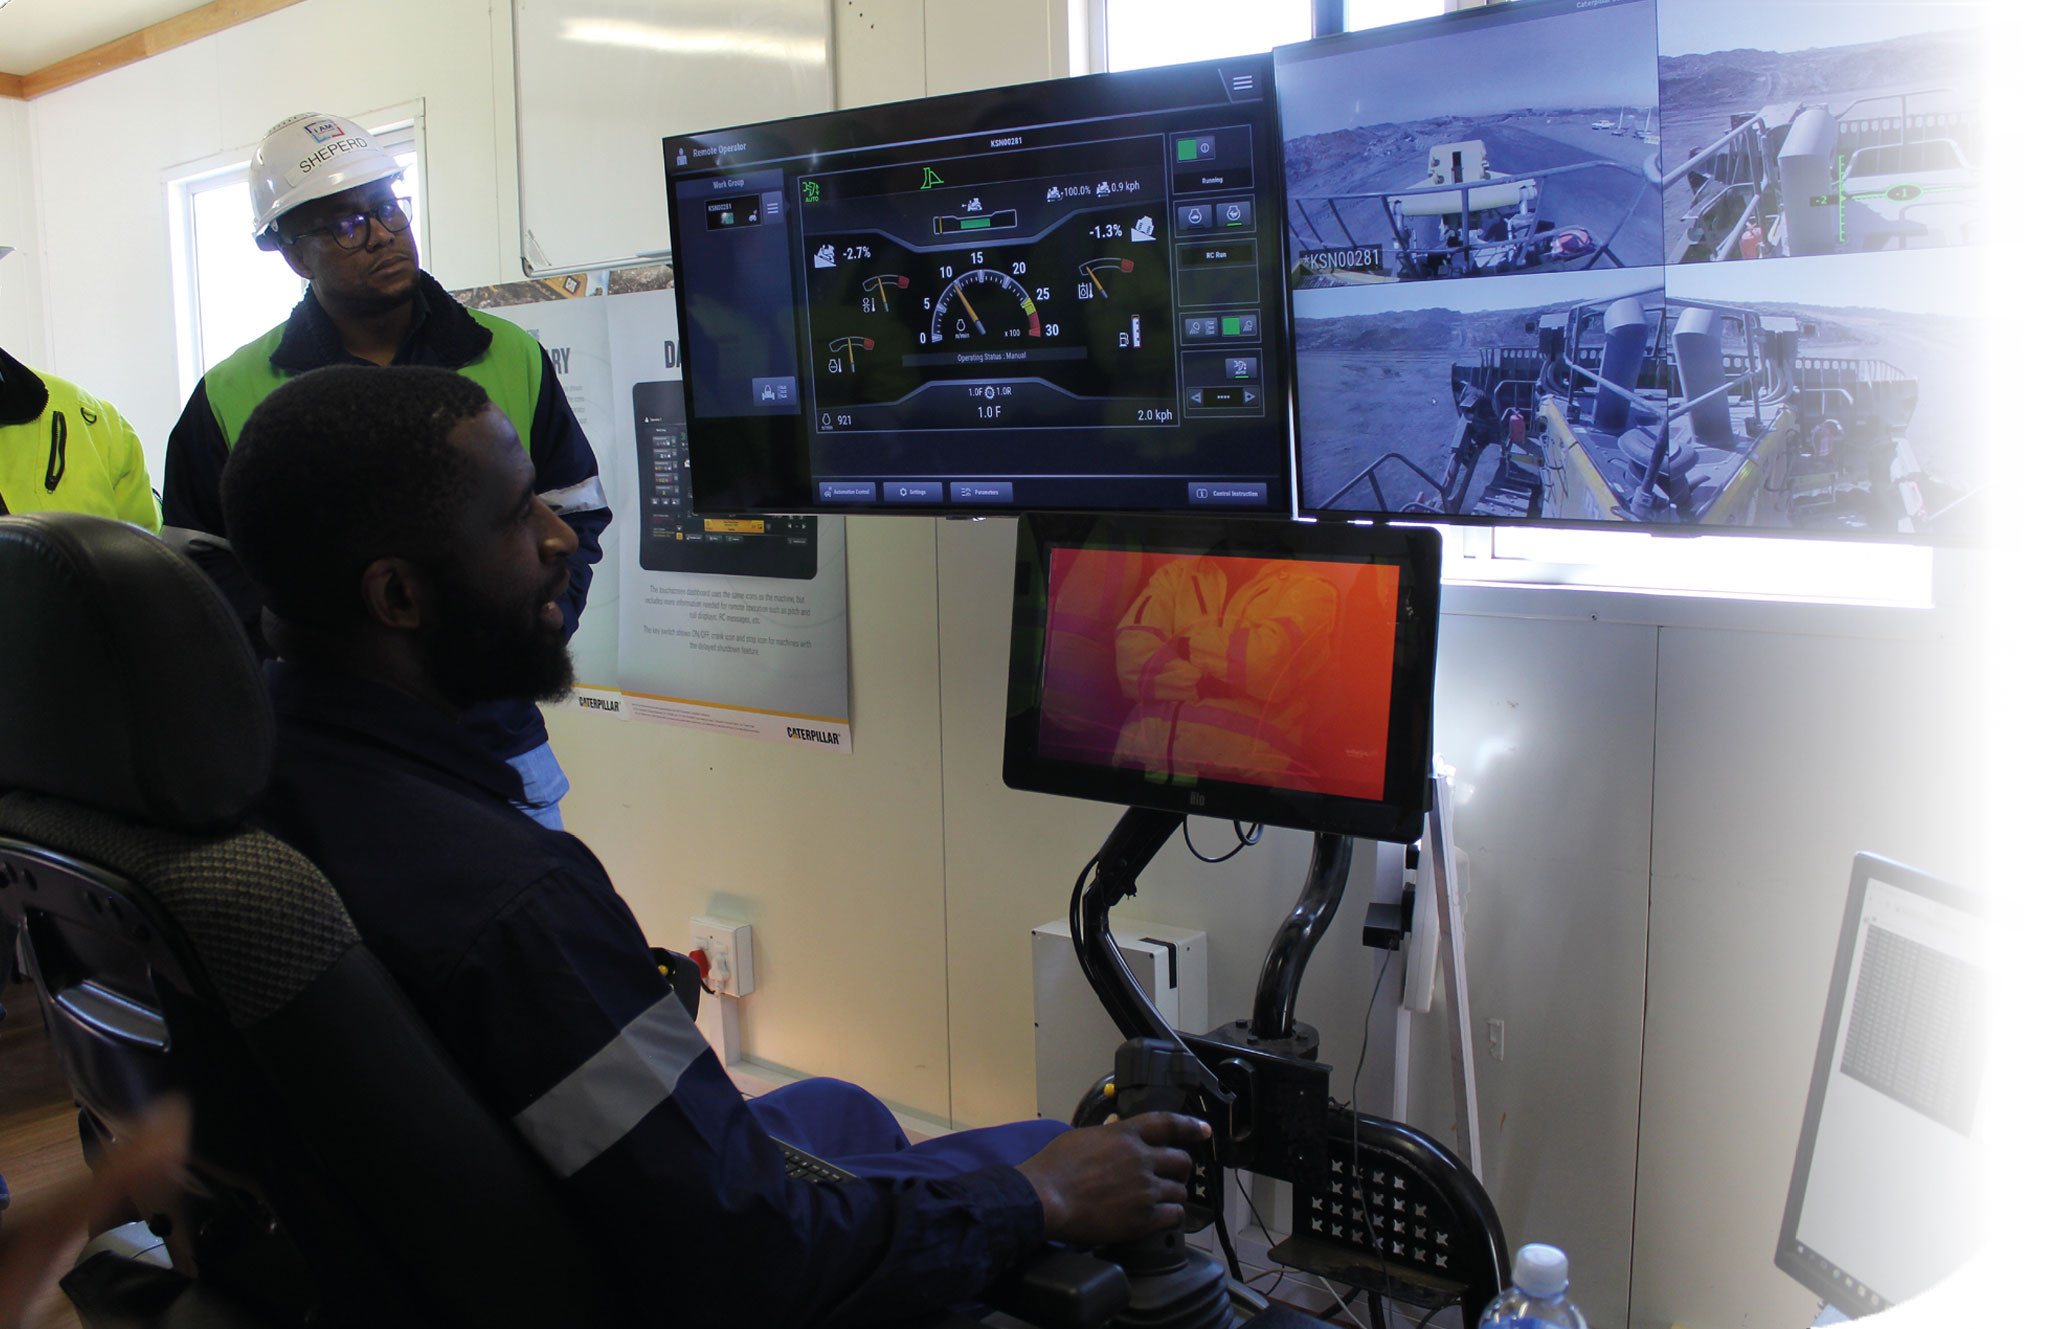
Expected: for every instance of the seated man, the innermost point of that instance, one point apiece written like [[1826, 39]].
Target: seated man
[[410, 571]]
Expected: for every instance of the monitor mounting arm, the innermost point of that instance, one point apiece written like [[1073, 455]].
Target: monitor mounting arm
[[1262, 1087]]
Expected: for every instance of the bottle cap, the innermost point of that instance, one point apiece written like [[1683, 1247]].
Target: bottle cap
[[1541, 1271]]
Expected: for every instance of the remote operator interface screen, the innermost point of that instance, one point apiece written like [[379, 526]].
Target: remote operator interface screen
[[1272, 671], [1066, 295]]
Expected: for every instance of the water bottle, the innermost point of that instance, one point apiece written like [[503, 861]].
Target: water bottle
[[1536, 1300]]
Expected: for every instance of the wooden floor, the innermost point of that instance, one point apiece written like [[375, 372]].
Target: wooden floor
[[39, 1133]]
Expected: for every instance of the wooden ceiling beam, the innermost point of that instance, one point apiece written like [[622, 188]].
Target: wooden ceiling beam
[[203, 21]]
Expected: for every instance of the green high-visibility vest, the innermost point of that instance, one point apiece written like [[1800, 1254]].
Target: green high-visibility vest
[[79, 455], [510, 372]]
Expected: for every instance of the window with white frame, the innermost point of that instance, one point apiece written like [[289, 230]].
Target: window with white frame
[[1137, 34], [1360, 14], [1140, 33], [227, 290]]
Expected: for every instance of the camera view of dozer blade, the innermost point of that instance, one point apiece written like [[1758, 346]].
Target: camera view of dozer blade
[[674, 539], [1652, 409]]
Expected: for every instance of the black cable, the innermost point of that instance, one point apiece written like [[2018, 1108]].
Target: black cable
[[1439, 1306], [1076, 932], [1265, 1230], [1341, 1305], [1356, 1136], [1260, 1225], [1256, 1214], [1243, 838], [1234, 1264]]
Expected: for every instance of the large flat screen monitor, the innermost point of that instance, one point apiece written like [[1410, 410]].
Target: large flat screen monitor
[[1272, 671], [1890, 1181], [1063, 295], [1655, 263]]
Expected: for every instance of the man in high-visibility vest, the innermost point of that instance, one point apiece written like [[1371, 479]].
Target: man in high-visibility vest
[[62, 449], [323, 198]]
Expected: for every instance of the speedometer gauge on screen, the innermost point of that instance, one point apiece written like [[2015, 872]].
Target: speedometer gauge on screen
[[1063, 295]]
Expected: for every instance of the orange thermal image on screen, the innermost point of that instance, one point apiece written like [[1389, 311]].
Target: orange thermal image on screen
[[1262, 671]]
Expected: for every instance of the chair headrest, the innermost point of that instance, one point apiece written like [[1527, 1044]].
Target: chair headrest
[[125, 680]]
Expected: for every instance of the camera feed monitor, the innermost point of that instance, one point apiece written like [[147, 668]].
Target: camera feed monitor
[[1062, 295], [1271, 671], [1662, 263]]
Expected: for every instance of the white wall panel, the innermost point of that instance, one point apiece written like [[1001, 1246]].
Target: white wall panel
[[1779, 756], [879, 51], [21, 282], [1548, 723], [599, 86], [990, 43], [835, 859]]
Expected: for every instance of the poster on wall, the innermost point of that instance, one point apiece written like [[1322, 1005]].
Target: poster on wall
[[737, 625]]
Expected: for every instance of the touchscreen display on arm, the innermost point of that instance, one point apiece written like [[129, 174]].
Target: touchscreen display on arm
[[1258, 671], [1270, 671]]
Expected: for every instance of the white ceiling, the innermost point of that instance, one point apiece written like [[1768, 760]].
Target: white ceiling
[[38, 33]]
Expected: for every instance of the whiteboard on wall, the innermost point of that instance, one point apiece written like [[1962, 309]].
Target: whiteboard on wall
[[601, 82]]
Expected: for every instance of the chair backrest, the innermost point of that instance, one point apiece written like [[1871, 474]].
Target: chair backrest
[[347, 1174]]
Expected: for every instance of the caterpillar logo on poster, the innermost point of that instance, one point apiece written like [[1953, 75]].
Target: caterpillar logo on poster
[[598, 703], [814, 735]]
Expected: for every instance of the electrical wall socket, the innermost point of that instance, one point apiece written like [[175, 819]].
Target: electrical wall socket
[[730, 948]]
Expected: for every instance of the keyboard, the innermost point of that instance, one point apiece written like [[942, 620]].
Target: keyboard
[[809, 1167]]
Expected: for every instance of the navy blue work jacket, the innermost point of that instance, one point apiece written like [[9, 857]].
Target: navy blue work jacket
[[525, 963]]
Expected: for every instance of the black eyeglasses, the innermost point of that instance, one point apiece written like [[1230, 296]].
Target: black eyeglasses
[[352, 231]]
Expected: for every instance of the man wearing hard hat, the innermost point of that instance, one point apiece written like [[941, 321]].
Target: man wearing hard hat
[[322, 197]]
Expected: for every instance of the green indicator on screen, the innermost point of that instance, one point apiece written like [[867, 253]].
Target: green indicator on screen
[[1187, 149], [1230, 325]]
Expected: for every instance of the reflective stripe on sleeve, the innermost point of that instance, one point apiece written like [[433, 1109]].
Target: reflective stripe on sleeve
[[584, 497], [579, 1118]]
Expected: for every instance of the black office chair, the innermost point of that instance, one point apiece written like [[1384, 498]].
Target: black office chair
[[346, 1174]]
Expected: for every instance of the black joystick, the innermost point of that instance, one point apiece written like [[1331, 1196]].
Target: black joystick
[[1174, 1285]]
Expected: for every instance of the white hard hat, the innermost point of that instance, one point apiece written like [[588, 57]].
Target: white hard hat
[[307, 157]]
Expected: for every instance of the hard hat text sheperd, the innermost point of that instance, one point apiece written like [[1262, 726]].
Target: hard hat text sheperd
[[307, 157]]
